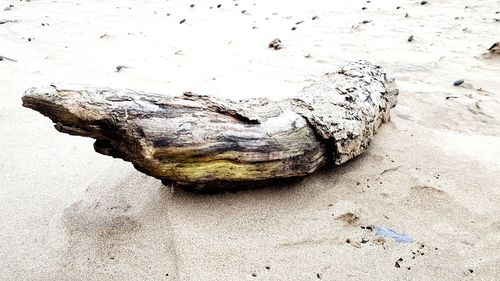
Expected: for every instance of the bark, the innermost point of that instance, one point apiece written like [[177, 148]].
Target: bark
[[205, 141]]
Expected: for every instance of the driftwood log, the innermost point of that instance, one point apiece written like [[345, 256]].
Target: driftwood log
[[206, 142]]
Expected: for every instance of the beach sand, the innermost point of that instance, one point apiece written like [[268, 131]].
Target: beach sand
[[68, 213]]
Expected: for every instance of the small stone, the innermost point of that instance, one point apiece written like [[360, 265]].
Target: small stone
[[276, 44], [120, 67], [458, 82], [182, 21], [315, 18], [192, 5], [410, 39], [294, 27], [495, 49], [424, 3]]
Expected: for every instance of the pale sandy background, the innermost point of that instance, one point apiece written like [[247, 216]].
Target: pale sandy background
[[68, 213]]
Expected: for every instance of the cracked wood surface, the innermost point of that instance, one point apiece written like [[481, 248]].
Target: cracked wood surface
[[204, 141]]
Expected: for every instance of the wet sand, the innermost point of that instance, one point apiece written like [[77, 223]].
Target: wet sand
[[68, 213]]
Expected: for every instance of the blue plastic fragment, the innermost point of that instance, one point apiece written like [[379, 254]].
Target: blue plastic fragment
[[398, 237]]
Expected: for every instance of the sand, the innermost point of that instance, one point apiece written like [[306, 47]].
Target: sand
[[68, 213]]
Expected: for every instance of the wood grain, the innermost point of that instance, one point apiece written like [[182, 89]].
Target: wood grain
[[204, 141]]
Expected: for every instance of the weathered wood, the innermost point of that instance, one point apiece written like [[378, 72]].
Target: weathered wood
[[199, 140]]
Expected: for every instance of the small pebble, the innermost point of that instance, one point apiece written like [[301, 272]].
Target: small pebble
[[315, 17], [182, 21], [294, 27], [120, 67], [458, 82], [276, 44], [410, 39], [424, 3]]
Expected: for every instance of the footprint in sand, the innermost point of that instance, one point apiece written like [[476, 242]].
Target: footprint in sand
[[107, 216]]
